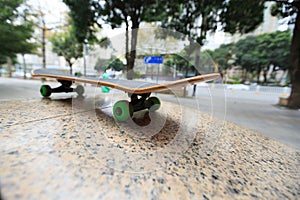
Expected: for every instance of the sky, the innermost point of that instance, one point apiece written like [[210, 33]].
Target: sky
[[53, 10], [54, 15]]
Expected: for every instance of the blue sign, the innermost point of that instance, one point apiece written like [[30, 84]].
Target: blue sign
[[153, 59]]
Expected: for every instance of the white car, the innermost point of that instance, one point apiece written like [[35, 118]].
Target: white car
[[238, 87], [20, 74], [202, 84]]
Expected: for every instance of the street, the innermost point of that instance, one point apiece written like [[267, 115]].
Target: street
[[257, 112]]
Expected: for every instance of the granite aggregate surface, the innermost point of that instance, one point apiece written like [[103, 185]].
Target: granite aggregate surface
[[71, 149]]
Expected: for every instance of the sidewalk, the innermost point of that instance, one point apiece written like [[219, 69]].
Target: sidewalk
[[67, 149]]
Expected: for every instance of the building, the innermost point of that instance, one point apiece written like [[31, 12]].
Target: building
[[270, 24]]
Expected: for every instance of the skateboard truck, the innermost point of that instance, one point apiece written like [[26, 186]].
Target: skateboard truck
[[65, 86], [123, 110]]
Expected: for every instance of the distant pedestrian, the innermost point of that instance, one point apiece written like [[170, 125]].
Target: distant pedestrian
[[105, 89]]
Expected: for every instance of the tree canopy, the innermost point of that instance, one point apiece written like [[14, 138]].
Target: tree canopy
[[65, 44], [193, 18], [290, 9], [15, 29], [256, 52], [112, 63], [87, 14]]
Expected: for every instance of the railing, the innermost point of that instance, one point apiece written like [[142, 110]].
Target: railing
[[255, 89]]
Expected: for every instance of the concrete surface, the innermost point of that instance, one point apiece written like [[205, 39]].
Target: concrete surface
[[255, 111], [69, 149]]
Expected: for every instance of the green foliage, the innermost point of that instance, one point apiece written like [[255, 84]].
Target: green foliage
[[104, 42], [84, 17], [101, 64], [254, 52], [242, 17], [168, 66], [284, 9], [78, 74], [87, 13], [186, 17], [180, 62], [65, 44], [136, 74], [116, 65], [223, 55], [275, 47], [112, 63], [15, 29], [247, 53]]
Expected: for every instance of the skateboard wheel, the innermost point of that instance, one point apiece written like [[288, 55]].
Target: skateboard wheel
[[155, 103], [122, 110], [45, 90], [79, 89]]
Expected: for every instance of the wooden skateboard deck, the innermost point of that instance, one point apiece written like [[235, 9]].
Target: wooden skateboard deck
[[130, 86], [138, 91]]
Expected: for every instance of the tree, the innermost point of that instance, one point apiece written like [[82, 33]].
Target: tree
[[15, 29], [223, 55], [237, 16], [86, 14], [273, 49], [116, 65], [249, 56], [278, 47], [101, 64], [112, 63], [255, 53], [194, 19], [65, 44], [291, 9]]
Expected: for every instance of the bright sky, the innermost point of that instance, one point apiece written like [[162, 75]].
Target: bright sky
[[54, 15], [53, 10]]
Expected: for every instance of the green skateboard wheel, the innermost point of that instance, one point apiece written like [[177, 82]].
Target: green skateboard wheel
[[122, 110], [45, 90], [79, 89], [155, 103]]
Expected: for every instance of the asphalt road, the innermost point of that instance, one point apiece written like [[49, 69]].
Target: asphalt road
[[257, 112]]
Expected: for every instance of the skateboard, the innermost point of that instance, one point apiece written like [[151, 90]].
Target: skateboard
[[138, 91]]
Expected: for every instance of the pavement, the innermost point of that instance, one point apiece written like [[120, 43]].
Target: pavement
[[70, 147], [258, 112]]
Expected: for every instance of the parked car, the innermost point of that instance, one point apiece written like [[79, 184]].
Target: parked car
[[20, 74], [238, 87]]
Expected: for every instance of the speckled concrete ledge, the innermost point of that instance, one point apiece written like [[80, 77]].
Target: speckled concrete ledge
[[67, 149]]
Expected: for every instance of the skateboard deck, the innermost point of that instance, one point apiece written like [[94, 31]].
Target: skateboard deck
[[138, 91], [130, 86]]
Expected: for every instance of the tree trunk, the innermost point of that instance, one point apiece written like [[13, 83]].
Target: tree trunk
[[9, 64], [294, 98], [71, 70], [258, 74], [127, 54], [24, 66], [265, 77], [245, 76], [132, 54], [70, 65], [44, 43], [197, 72]]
